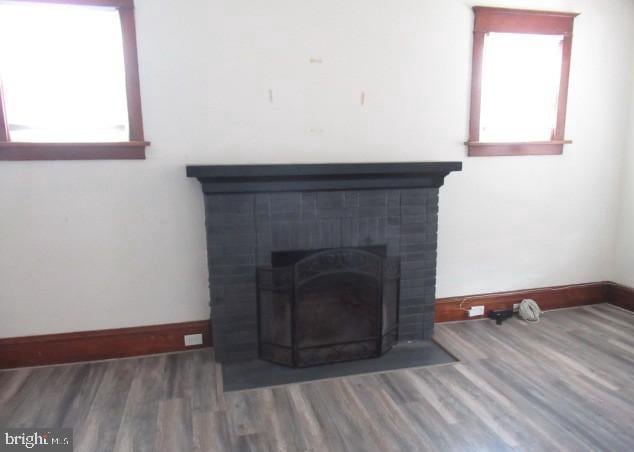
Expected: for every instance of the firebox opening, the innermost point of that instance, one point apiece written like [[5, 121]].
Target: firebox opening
[[329, 305]]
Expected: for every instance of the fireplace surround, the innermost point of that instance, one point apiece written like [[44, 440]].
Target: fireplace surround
[[266, 223]]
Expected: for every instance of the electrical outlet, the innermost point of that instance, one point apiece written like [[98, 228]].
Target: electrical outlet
[[193, 339], [475, 311], [516, 307]]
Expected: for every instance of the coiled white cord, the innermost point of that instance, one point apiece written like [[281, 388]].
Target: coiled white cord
[[529, 310]]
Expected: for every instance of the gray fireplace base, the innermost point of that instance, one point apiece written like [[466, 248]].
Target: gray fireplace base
[[256, 373]]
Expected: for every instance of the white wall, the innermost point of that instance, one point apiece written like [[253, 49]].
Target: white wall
[[625, 238], [91, 245]]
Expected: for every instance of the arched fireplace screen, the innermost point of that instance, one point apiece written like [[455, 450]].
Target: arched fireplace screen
[[328, 306]]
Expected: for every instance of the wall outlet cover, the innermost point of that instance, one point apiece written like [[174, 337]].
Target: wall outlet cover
[[193, 339], [475, 311]]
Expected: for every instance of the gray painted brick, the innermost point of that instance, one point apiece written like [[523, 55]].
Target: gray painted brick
[[235, 259], [263, 204], [394, 198], [331, 200], [232, 280], [373, 198], [285, 202], [227, 270], [286, 216], [329, 234], [431, 209], [308, 234], [223, 222], [412, 257], [414, 228], [418, 239], [351, 199], [264, 256], [308, 205], [416, 248], [349, 232], [420, 219], [230, 249], [412, 321], [236, 348], [241, 337], [232, 238], [233, 203], [225, 328], [422, 274], [264, 240], [411, 292], [392, 248], [413, 331], [394, 221], [236, 313], [281, 236], [416, 210], [343, 212], [419, 196], [393, 231], [242, 293], [372, 230], [373, 211], [413, 309], [412, 282], [242, 312], [418, 265]]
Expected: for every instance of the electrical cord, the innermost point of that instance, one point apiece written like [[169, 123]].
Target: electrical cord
[[550, 289]]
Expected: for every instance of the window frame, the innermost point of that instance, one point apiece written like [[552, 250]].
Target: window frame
[[132, 149], [520, 21]]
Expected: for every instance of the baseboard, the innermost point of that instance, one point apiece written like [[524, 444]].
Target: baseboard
[[622, 296], [147, 340], [556, 297], [96, 345]]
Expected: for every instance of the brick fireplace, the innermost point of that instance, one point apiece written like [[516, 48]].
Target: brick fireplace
[[256, 213]]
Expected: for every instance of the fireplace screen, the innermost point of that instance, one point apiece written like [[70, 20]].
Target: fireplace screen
[[318, 307]]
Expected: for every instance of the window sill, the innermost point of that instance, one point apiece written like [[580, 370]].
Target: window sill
[[481, 149], [129, 150]]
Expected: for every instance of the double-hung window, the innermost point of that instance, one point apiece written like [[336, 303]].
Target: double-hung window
[[519, 88], [69, 82]]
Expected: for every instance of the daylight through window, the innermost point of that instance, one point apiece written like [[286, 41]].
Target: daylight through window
[[69, 75], [521, 64]]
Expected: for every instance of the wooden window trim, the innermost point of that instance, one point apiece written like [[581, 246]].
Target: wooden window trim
[[132, 149], [503, 20]]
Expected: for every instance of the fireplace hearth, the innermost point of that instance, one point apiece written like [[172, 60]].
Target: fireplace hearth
[[327, 306], [315, 264]]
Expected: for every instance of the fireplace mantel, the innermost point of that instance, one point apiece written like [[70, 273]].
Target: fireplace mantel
[[331, 176]]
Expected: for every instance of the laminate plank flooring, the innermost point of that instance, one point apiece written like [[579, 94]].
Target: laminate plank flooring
[[563, 384]]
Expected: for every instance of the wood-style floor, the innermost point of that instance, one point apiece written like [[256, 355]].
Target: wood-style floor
[[566, 383]]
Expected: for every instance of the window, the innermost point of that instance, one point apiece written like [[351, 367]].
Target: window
[[69, 83], [519, 86]]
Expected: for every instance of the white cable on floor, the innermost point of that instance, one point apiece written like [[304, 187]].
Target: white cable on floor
[[529, 310]]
